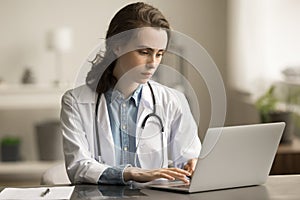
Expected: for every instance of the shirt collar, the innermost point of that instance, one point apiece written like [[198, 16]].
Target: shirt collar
[[136, 96], [113, 95]]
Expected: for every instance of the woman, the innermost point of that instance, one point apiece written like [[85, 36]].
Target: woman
[[102, 134]]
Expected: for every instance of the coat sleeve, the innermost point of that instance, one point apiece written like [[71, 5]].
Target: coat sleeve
[[184, 141], [80, 163]]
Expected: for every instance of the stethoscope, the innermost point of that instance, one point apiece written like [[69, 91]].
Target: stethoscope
[[153, 114]]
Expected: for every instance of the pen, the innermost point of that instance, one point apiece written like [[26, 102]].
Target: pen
[[45, 192]]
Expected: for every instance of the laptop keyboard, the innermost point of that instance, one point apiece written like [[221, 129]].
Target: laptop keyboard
[[181, 186]]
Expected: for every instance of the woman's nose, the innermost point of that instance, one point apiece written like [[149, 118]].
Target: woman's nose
[[152, 62]]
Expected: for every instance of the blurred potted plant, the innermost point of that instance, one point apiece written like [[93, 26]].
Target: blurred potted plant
[[10, 148], [269, 111]]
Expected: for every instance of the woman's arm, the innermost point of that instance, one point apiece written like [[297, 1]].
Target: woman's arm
[[80, 163], [184, 142], [113, 175]]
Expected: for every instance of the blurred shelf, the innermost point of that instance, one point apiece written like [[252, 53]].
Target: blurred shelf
[[30, 96], [295, 82], [23, 172]]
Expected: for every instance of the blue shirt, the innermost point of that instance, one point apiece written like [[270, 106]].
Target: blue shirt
[[123, 116]]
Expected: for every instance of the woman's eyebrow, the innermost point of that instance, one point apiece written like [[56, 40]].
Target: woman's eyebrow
[[148, 48]]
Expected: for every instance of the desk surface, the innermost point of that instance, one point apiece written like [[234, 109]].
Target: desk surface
[[276, 187]]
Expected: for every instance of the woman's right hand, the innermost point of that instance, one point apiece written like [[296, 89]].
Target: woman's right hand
[[145, 175]]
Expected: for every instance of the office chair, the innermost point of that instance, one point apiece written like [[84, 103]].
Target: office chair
[[55, 175]]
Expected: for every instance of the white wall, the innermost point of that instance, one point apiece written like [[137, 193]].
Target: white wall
[[24, 24], [263, 39], [283, 42]]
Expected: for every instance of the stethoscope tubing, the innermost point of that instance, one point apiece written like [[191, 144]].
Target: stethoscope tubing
[[153, 114]]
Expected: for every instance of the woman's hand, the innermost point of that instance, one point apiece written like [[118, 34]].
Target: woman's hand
[[190, 165], [144, 175]]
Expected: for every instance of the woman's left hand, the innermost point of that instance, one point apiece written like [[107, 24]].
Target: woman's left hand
[[190, 165]]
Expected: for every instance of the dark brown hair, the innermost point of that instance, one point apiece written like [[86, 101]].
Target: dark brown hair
[[132, 16]]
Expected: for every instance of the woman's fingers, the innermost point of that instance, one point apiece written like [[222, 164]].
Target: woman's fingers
[[179, 172], [142, 175], [174, 173]]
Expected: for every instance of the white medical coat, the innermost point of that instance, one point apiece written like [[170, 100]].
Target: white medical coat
[[181, 141]]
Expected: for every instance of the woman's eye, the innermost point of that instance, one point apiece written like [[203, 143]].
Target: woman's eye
[[143, 52], [159, 54], [150, 53]]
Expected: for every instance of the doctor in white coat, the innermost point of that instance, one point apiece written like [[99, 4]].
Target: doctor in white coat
[[103, 135]]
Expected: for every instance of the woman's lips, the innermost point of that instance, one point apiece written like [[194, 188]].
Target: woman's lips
[[147, 74]]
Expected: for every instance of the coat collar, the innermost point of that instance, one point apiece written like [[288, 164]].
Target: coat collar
[[84, 94], [146, 99]]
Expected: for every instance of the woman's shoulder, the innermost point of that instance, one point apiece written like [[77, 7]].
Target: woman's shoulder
[[168, 95], [171, 96], [164, 90], [81, 94]]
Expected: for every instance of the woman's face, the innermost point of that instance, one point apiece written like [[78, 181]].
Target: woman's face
[[140, 58]]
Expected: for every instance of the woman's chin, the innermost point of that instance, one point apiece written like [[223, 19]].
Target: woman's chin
[[143, 81]]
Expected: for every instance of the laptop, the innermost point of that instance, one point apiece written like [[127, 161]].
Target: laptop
[[230, 157]]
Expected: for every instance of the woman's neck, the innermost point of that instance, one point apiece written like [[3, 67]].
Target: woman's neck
[[124, 84], [126, 88]]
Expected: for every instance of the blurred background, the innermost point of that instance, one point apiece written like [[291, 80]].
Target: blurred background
[[255, 45]]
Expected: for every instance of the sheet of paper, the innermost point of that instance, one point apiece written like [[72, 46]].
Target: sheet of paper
[[63, 192]]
